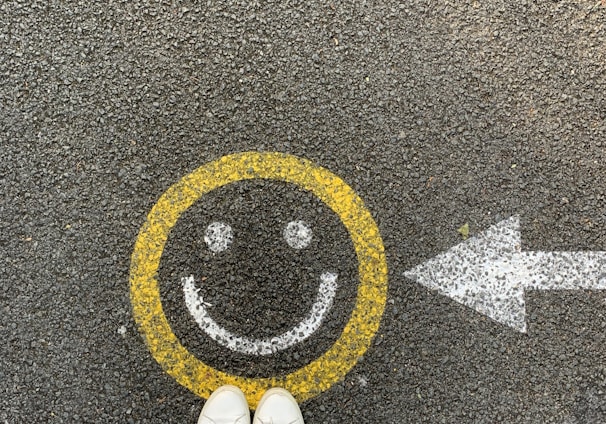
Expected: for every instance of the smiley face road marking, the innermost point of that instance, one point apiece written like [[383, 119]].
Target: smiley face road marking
[[297, 234], [197, 308], [311, 379]]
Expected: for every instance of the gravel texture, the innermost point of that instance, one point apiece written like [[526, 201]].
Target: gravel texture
[[437, 114]]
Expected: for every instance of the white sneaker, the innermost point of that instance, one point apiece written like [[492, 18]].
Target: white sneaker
[[277, 406], [227, 405]]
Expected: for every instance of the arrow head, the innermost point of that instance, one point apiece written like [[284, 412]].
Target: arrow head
[[480, 273]]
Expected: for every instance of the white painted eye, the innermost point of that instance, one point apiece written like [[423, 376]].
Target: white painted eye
[[218, 236], [297, 234]]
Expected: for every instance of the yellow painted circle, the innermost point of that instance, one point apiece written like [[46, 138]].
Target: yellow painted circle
[[307, 381]]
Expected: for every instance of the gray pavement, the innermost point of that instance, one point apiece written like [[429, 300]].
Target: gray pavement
[[437, 114]]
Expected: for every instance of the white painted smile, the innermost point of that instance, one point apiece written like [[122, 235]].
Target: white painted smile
[[198, 309], [218, 237]]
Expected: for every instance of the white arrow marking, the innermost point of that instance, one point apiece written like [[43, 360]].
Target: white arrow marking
[[489, 273], [197, 308]]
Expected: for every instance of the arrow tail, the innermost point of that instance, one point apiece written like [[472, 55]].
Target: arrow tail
[[562, 270]]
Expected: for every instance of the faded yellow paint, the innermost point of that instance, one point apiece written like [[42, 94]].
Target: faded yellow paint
[[307, 381]]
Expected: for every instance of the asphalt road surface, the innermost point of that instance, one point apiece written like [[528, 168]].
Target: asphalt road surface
[[436, 114]]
